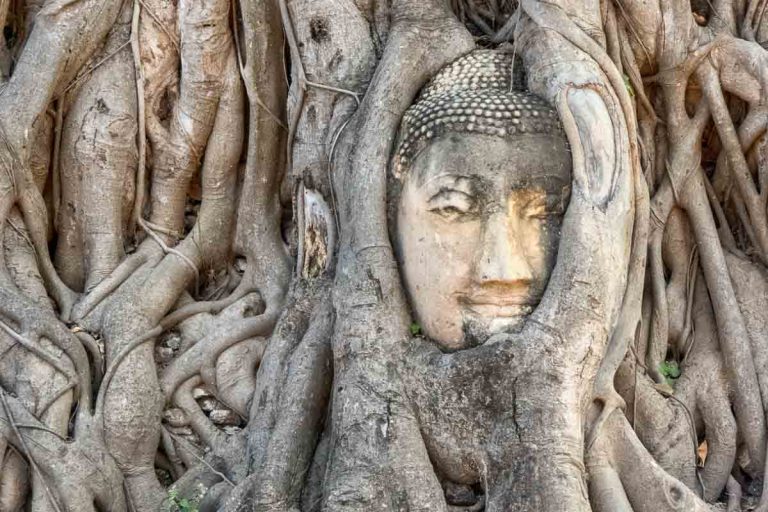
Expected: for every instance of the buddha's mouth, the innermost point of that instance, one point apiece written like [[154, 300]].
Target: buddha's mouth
[[489, 306]]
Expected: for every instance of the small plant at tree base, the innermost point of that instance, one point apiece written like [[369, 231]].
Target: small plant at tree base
[[180, 504], [671, 371]]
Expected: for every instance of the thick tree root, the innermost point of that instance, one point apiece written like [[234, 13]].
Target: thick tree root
[[633, 476], [80, 476]]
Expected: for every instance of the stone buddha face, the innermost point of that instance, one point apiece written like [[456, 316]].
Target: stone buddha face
[[478, 226], [484, 171]]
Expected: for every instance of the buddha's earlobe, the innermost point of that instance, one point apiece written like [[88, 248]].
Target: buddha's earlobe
[[591, 138]]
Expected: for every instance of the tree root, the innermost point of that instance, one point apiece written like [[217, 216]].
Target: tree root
[[734, 337], [291, 390], [201, 358], [634, 474], [108, 285], [32, 320], [734, 495], [78, 477]]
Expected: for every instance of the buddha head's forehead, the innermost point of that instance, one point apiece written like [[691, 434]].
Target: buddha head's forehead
[[529, 160], [474, 96]]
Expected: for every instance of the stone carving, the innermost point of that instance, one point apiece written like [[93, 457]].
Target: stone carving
[[484, 173]]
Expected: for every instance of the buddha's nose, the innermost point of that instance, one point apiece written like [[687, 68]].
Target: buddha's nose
[[502, 260]]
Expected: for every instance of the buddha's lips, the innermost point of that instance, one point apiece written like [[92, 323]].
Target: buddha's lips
[[494, 306]]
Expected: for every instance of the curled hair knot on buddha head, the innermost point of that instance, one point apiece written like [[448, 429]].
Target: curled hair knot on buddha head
[[477, 93]]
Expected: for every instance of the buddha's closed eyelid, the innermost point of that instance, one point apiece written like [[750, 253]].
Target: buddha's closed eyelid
[[541, 205], [452, 193], [457, 182], [452, 204]]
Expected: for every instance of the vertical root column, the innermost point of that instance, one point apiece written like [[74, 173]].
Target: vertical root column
[[536, 449], [98, 164]]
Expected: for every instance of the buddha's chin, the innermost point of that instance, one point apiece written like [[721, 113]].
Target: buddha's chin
[[503, 324], [478, 328]]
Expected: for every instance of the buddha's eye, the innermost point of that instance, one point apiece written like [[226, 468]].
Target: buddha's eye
[[452, 204], [537, 210], [544, 207]]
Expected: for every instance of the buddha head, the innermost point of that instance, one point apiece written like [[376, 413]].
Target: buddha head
[[482, 173]]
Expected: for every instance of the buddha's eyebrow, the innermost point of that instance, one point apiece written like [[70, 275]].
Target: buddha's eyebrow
[[447, 192], [452, 181]]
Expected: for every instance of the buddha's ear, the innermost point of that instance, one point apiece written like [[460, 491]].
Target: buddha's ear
[[588, 124], [593, 122], [571, 70]]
